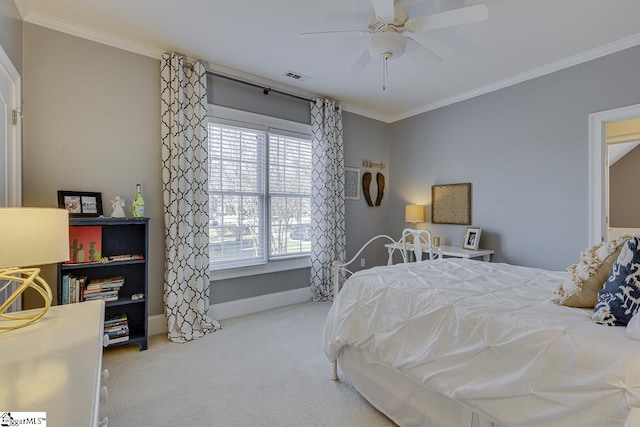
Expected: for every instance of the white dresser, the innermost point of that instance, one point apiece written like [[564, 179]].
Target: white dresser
[[55, 366]]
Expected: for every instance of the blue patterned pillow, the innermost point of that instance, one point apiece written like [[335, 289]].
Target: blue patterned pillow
[[619, 299]]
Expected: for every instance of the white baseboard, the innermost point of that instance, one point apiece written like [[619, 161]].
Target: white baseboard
[[226, 310]]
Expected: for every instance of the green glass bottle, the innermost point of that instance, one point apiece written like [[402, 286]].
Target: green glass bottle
[[138, 203]]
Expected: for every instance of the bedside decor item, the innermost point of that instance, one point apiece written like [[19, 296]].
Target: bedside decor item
[[137, 206], [79, 203], [451, 204], [351, 183], [414, 214], [30, 236], [118, 207], [471, 238]]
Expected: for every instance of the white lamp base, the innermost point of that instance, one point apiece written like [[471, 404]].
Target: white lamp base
[[27, 278]]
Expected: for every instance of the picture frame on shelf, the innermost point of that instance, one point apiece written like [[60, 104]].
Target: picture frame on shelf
[[472, 238], [351, 183], [81, 203]]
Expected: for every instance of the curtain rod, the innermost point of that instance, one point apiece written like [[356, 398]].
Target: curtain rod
[[265, 90]]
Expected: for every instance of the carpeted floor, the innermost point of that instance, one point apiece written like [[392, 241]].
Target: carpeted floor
[[263, 369]]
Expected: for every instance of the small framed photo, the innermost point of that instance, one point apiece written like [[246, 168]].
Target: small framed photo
[[472, 238], [351, 183], [80, 203]]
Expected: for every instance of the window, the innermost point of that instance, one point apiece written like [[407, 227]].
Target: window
[[259, 193]]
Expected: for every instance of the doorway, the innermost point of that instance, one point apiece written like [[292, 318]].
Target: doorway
[[599, 168], [10, 147]]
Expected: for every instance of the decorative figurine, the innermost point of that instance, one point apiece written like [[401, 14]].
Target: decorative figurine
[[118, 207]]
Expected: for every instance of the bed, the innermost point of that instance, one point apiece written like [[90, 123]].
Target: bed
[[459, 342]]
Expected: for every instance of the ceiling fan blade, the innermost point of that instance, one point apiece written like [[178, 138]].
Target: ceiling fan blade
[[385, 10], [333, 33], [360, 64], [424, 46], [450, 18]]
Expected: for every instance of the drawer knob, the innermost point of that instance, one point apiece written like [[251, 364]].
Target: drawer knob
[[104, 394], [104, 422], [105, 375], [105, 340]]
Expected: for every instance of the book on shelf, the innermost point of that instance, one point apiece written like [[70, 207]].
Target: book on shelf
[[72, 288], [119, 339], [125, 257], [105, 296], [117, 333], [119, 330], [85, 244], [116, 318], [107, 282]]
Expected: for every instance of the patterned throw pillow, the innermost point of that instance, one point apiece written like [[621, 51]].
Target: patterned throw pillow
[[588, 277], [619, 300]]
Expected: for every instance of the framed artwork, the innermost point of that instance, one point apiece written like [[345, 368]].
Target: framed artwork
[[351, 183], [85, 244], [451, 204], [80, 203], [471, 238]]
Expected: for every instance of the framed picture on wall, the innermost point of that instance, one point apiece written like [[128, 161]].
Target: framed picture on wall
[[351, 183], [80, 203], [451, 204], [471, 238]]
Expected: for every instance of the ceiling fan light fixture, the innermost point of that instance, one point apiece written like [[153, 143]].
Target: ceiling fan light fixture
[[387, 45]]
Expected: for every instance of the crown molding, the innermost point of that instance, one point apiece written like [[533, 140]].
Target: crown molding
[[36, 18], [103, 38], [580, 58], [23, 8]]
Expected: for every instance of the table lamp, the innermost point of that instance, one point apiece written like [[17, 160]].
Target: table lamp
[[30, 236], [414, 214]]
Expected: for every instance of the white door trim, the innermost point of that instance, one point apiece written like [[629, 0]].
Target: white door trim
[[597, 170], [14, 143]]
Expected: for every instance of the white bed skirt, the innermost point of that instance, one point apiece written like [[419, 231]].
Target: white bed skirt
[[403, 400]]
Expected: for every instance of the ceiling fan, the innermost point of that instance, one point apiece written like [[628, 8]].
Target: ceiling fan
[[390, 28]]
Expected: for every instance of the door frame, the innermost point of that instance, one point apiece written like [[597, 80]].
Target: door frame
[[598, 170], [14, 144]]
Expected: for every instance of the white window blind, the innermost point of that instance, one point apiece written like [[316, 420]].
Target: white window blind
[[236, 195], [259, 192], [289, 194]]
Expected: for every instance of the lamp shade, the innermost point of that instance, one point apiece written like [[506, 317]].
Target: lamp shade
[[414, 213], [33, 236]]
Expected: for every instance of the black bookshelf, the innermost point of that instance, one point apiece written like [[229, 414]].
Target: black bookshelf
[[119, 236]]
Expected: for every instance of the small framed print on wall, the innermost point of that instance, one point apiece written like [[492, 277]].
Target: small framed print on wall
[[80, 203], [351, 183]]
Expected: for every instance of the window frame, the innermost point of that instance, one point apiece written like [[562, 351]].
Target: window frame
[[225, 115]]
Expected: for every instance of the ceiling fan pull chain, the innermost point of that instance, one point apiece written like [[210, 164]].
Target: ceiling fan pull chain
[[384, 73]]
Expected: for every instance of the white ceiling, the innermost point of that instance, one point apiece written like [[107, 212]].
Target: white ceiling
[[259, 40]]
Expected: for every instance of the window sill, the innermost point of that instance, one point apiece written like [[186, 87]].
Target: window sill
[[270, 267]]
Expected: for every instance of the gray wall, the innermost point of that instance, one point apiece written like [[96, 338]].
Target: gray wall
[[366, 138], [11, 33], [624, 197], [92, 123], [525, 151]]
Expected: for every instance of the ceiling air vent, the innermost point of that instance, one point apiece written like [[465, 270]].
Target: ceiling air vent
[[295, 76]]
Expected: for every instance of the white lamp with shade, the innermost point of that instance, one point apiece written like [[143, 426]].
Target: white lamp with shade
[[29, 236]]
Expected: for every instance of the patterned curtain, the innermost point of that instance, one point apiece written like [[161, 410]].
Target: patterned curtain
[[186, 201], [328, 241]]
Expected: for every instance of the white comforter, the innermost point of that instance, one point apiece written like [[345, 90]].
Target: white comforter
[[490, 336]]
